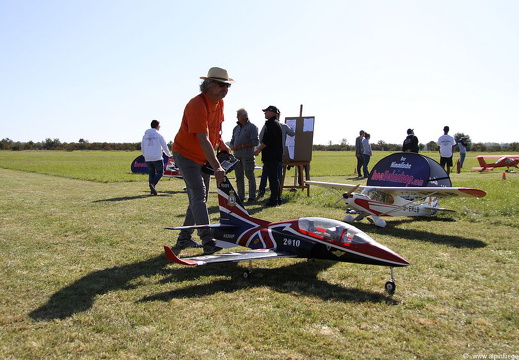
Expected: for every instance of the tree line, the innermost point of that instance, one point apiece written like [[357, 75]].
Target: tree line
[[56, 144]]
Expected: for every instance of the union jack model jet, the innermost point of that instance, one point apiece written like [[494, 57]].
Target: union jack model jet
[[306, 237]]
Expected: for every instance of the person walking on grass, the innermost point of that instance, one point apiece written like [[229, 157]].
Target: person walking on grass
[[152, 147]]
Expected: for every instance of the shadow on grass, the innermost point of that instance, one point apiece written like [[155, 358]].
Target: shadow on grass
[[135, 197], [457, 241], [80, 295], [252, 209], [299, 278]]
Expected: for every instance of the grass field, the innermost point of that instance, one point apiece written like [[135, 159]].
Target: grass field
[[83, 274]]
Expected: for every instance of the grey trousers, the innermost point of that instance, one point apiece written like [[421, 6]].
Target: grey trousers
[[197, 185], [245, 165]]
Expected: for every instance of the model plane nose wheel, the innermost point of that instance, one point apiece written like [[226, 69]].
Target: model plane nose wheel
[[390, 287]]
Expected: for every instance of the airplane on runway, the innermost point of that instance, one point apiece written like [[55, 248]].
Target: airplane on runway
[[306, 237], [373, 202], [507, 161]]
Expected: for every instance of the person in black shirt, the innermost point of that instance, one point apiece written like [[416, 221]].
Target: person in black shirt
[[410, 142], [271, 148]]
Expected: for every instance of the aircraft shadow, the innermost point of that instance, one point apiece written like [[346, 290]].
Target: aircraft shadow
[[135, 197], [216, 210], [80, 295], [300, 278], [457, 241]]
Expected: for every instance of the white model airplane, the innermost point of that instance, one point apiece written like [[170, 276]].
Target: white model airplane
[[376, 201]]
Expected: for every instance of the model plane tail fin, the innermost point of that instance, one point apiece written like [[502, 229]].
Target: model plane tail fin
[[229, 201], [482, 162]]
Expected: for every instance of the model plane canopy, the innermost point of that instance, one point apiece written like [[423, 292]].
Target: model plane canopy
[[333, 231]]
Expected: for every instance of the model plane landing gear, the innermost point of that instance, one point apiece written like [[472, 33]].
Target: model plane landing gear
[[390, 285], [247, 273]]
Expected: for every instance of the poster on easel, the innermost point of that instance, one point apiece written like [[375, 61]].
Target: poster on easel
[[300, 145]]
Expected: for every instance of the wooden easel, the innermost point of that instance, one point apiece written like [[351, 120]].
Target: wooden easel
[[300, 168]]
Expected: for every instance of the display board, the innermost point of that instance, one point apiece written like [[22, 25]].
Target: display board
[[299, 146]]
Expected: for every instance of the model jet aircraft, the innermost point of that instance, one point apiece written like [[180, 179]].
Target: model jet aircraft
[[507, 161], [375, 201], [306, 237]]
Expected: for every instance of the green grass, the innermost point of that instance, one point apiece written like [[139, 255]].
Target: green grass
[[83, 275]]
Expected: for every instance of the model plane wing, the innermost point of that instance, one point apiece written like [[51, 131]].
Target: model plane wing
[[208, 226], [225, 257], [335, 186], [432, 191], [408, 191], [497, 156]]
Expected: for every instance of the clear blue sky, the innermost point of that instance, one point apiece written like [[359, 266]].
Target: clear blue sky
[[101, 70]]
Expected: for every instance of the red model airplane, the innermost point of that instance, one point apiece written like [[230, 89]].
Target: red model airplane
[[507, 161], [306, 237]]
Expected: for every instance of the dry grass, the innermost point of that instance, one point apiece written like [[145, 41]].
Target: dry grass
[[84, 277]]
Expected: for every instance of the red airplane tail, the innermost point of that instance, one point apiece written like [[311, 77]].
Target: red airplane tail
[[482, 161]]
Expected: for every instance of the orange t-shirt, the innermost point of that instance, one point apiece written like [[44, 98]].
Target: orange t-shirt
[[201, 115]]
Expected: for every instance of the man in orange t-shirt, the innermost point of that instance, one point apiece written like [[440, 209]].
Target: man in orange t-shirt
[[194, 145]]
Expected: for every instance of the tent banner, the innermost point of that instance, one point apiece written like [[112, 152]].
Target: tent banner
[[408, 170]]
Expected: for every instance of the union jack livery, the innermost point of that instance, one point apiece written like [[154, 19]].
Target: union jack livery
[[306, 237]]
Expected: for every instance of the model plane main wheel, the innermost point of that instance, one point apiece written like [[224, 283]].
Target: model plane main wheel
[[390, 287], [246, 274]]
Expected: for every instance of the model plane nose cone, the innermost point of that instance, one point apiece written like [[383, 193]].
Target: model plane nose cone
[[390, 257], [377, 253]]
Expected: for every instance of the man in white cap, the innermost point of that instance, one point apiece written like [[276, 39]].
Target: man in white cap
[[194, 146]]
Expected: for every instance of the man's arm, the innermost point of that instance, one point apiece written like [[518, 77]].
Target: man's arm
[[219, 172]]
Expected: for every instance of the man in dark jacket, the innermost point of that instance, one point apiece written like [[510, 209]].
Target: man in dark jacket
[[410, 142], [271, 148]]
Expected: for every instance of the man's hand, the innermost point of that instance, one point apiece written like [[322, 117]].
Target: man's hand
[[219, 174]]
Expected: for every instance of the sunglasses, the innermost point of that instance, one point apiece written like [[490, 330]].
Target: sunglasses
[[221, 84]]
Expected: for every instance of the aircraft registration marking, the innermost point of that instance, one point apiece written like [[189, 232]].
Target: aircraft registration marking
[[291, 242]]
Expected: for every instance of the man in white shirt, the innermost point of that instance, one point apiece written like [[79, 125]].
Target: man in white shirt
[[152, 146], [446, 145]]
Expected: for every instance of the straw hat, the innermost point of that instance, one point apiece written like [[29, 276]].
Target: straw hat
[[218, 74]]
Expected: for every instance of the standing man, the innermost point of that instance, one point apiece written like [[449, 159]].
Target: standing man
[[410, 142], [152, 146], [285, 131], [244, 140], [195, 143], [366, 154], [358, 153], [271, 148], [462, 145], [446, 145]]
